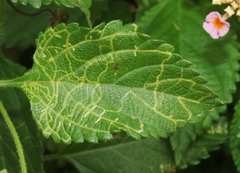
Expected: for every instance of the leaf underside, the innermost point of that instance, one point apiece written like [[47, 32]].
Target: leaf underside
[[88, 84]]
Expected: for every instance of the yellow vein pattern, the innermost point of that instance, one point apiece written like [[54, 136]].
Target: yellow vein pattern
[[87, 84]]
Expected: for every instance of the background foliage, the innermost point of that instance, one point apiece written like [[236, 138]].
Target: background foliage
[[179, 24]]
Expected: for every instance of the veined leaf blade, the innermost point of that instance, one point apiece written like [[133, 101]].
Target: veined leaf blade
[[87, 84]]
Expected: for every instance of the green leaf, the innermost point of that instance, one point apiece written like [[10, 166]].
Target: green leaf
[[182, 138], [84, 5], [194, 142], [97, 10], [145, 5], [2, 161], [87, 84], [17, 106], [14, 33], [200, 148], [217, 60], [113, 12], [180, 24], [138, 156], [234, 137]]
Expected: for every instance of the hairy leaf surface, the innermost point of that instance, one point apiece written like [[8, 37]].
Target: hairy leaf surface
[[87, 84], [17, 106]]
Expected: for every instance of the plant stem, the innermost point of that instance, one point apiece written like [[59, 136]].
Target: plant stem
[[16, 139]]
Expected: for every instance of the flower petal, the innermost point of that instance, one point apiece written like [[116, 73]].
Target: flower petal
[[214, 35], [223, 31], [213, 15], [209, 27], [211, 30]]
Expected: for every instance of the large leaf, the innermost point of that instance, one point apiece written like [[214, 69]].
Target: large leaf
[[180, 24], [217, 60], [144, 156], [17, 106], [87, 84]]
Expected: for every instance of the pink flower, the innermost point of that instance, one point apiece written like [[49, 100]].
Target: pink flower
[[215, 25]]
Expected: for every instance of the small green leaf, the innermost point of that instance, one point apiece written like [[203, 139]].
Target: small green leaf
[[200, 148], [182, 138], [17, 106], [194, 142], [87, 84], [142, 156], [235, 137]]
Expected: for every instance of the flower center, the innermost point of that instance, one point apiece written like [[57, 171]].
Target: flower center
[[217, 23]]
